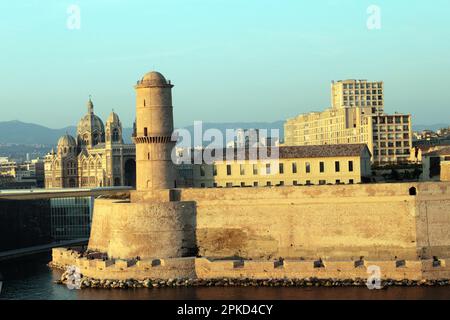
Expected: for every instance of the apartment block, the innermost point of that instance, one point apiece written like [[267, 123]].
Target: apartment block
[[358, 93], [388, 136]]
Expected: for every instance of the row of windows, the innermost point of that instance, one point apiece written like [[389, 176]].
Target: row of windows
[[357, 98], [391, 119], [281, 183], [362, 85], [364, 103], [391, 128], [391, 152], [397, 144], [269, 169], [389, 136], [363, 92]]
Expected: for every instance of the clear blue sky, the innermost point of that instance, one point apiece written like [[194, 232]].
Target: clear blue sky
[[230, 60]]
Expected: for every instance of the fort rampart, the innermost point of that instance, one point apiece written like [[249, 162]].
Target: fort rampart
[[316, 231]]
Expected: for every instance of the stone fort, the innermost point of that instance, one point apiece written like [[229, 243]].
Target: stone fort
[[334, 231]]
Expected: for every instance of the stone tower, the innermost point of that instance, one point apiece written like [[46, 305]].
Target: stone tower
[[154, 127]]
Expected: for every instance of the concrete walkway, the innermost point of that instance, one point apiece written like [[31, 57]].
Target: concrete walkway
[[18, 253]]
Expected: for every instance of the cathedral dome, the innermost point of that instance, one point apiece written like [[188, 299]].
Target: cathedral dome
[[91, 123], [90, 129], [154, 78], [67, 141]]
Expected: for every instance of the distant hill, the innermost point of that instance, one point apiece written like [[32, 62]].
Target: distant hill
[[17, 132], [432, 127]]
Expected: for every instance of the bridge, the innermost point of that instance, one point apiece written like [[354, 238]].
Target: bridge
[[33, 194], [37, 220]]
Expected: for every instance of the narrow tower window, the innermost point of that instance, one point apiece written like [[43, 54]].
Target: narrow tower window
[[145, 132]]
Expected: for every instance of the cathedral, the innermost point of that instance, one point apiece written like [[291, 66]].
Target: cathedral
[[97, 157]]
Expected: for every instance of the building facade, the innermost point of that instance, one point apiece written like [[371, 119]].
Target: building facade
[[294, 166], [358, 93], [25, 175], [355, 119], [436, 165], [97, 157]]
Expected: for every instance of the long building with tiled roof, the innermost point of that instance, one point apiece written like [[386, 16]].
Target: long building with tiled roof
[[280, 166]]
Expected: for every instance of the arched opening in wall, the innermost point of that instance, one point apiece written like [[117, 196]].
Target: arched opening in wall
[[130, 173], [96, 140], [115, 135], [413, 191], [116, 182]]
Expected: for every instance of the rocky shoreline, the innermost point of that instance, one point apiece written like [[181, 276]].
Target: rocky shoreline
[[86, 282], [224, 282]]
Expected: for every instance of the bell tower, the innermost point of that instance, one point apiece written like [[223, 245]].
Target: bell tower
[[154, 127]]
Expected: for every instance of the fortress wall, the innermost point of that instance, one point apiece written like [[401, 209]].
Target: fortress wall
[[147, 230], [377, 221], [433, 220], [339, 222], [202, 268]]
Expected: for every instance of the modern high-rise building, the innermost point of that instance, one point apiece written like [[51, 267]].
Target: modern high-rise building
[[355, 117], [358, 93]]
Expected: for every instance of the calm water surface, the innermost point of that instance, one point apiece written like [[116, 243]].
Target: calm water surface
[[32, 279]]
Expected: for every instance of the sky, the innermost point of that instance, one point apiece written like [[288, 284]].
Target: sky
[[230, 60]]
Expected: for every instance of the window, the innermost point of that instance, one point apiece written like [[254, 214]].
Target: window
[[295, 183], [255, 169], [115, 135], [281, 168], [350, 166], [337, 166], [242, 169], [281, 183], [308, 167], [255, 184], [322, 182], [242, 184], [215, 184], [294, 167], [269, 184], [144, 102], [202, 185], [229, 185], [350, 181], [322, 167], [338, 181], [202, 171], [214, 171], [308, 182], [228, 169], [145, 132], [267, 168]]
